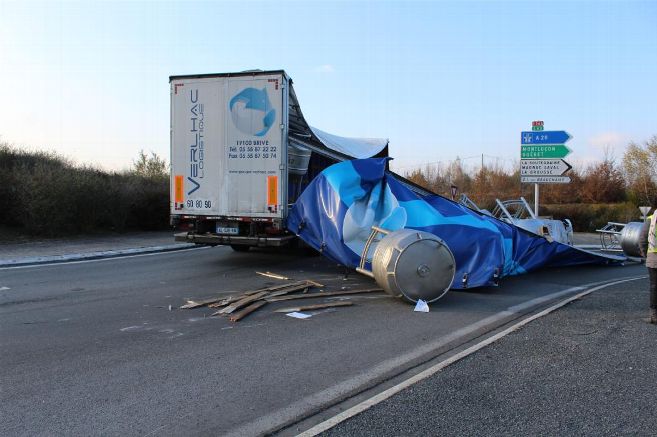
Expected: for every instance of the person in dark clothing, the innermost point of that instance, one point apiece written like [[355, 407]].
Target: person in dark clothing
[[648, 247]]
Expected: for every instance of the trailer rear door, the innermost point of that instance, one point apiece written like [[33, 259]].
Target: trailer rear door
[[228, 146]]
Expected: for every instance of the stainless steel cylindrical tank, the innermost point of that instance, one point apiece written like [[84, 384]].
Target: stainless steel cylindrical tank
[[413, 264], [629, 238], [298, 158]]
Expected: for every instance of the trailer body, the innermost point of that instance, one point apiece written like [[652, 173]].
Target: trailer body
[[241, 154], [228, 155]]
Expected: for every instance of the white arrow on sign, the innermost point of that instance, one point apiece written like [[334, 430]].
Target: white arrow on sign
[[543, 167], [545, 179]]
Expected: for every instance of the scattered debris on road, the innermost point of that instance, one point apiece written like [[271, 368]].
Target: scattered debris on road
[[200, 303], [324, 294], [248, 310], [299, 315], [421, 306], [240, 303], [273, 275], [238, 306], [313, 307]]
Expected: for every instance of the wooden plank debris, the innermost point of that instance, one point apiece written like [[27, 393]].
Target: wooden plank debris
[[240, 303], [280, 293], [314, 307], [273, 275], [290, 289], [257, 296], [291, 284], [277, 290], [199, 303], [246, 311], [226, 301], [322, 294]]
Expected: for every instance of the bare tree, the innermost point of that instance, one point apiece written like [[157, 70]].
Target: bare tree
[[152, 166], [640, 165], [603, 182]]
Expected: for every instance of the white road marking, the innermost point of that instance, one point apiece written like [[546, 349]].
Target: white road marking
[[368, 403], [4, 288]]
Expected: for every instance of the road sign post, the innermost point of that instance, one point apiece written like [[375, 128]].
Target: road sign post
[[541, 158], [544, 151], [550, 137], [543, 167], [537, 125], [536, 199], [545, 179]]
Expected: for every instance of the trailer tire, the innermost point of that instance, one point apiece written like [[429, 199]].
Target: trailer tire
[[240, 247], [305, 249]]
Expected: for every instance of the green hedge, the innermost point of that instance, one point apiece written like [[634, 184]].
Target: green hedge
[[589, 217], [45, 194]]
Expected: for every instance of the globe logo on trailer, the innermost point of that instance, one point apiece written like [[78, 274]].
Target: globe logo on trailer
[[251, 111]]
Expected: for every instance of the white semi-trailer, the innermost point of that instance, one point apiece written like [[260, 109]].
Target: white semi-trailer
[[241, 153]]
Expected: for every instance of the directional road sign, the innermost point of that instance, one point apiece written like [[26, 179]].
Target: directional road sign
[[543, 167], [545, 179], [544, 137], [544, 152]]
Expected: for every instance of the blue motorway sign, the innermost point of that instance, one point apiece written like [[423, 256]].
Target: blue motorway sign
[[544, 137]]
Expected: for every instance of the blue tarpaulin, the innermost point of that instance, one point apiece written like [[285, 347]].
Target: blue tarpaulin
[[335, 213]]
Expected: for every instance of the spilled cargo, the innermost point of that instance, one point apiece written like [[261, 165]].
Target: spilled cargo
[[337, 212]]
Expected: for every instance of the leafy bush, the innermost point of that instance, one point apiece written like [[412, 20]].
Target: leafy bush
[[46, 194]]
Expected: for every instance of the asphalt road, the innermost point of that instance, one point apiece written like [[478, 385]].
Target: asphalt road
[[587, 369], [92, 347]]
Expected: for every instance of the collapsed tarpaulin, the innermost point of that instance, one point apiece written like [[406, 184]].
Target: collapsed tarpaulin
[[355, 147], [336, 211]]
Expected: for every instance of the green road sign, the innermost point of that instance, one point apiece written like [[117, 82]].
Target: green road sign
[[543, 151]]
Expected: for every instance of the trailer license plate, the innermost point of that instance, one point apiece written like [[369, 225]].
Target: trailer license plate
[[228, 230]]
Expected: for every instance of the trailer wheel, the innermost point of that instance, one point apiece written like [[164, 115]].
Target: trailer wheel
[[306, 249], [240, 248]]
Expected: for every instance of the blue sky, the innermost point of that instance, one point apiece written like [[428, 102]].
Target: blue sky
[[439, 79]]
